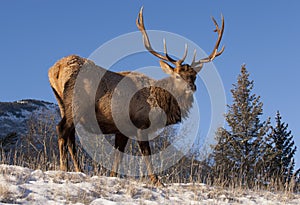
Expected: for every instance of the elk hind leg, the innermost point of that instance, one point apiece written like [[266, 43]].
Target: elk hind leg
[[72, 149], [62, 144], [120, 144]]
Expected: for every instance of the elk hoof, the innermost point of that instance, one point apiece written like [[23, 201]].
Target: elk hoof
[[158, 184], [63, 168], [113, 174]]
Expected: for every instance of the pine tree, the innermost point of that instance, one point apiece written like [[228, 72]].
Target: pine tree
[[283, 150], [238, 154]]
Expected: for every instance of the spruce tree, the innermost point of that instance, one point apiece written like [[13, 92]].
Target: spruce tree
[[283, 150], [238, 154]]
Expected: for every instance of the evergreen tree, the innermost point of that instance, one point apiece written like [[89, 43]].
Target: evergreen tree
[[283, 150], [238, 154]]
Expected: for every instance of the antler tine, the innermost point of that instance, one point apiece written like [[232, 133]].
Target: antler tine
[[141, 27], [184, 55], [194, 56], [165, 45], [215, 51], [193, 64], [166, 57], [166, 53]]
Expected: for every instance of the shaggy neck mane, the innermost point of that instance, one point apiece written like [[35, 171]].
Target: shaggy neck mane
[[176, 104]]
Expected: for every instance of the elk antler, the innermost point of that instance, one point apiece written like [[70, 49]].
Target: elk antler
[[215, 51], [166, 57]]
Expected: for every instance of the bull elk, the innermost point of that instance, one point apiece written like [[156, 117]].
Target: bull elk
[[181, 82]]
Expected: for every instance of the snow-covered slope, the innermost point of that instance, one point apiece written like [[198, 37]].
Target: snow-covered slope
[[25, 186], [14, 116]]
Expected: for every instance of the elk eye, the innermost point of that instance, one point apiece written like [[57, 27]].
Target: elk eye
[[178, 77]]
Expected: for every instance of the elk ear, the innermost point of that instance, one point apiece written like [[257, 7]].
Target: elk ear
[[197, 68], [166, 67]]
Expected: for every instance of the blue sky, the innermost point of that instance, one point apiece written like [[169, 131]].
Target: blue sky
[[262, 34]]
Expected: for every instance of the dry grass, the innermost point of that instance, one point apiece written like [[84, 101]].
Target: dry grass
[[5, 194], [38, 150]]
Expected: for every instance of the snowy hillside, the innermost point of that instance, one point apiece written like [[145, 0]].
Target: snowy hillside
[[14, 117], [22, 185]]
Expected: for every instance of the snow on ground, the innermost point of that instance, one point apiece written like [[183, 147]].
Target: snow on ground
[[26, 186]]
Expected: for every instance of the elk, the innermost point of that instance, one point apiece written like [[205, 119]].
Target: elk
[[175, 106]]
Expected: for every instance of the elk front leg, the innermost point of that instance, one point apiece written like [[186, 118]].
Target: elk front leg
[[146, 152], [120, 144]]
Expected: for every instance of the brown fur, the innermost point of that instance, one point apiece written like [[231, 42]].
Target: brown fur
[[167, 100], [62, 77], [60, 73]]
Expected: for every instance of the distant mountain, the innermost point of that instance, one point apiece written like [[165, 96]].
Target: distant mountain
[[14, 117]]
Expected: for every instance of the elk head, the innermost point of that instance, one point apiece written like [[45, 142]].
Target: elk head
[[183, 74]]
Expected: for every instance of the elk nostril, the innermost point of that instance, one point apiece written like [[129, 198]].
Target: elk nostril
[[192, 87]]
